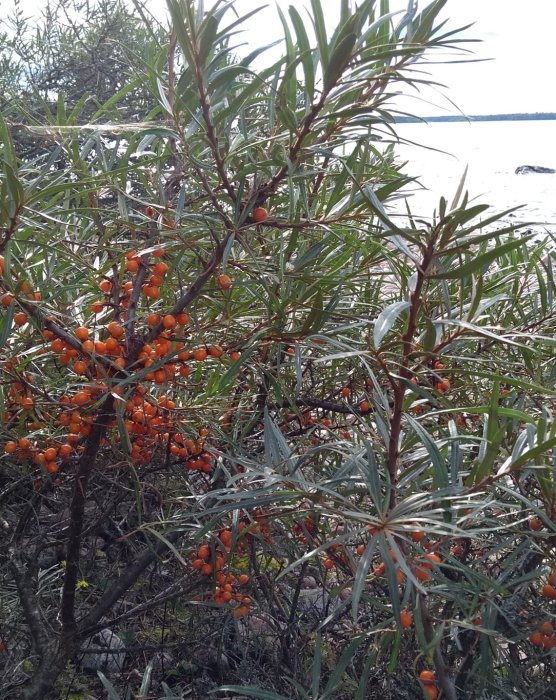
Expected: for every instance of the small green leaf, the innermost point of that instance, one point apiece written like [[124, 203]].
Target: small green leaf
[[480, 262], [386, 320], [320, 31], [338, 61], [346, 658]]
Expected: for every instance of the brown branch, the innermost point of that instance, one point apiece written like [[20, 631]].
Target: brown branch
[[8, 231], [126, 580], [210, 130], [134, 297], [444, 680], [47, 322], [405, 372], [77, 513], [39, 636], [186, 299], [268, 188], [327, 406], [171, 66]]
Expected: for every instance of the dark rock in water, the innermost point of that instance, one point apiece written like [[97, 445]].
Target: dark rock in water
[[527, 169]]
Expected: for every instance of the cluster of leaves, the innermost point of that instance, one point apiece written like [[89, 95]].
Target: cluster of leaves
[[325, 439]]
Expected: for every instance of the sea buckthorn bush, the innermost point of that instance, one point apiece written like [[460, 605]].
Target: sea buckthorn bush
[[280, 440]]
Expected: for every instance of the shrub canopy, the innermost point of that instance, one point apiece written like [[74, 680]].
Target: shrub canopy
[[252, 416]]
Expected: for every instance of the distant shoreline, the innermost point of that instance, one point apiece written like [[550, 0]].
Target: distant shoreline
[[518, 116]]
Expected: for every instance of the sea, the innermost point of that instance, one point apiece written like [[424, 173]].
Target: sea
[[437, 154]]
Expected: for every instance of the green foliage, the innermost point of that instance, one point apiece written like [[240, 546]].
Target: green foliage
[[373, 426]]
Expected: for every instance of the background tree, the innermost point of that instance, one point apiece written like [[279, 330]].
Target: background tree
[[81, 55]]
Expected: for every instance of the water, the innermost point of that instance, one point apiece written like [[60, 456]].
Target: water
[[492, 151]]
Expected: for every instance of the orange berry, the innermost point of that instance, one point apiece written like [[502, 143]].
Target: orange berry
[[82, 333], [426, 677], [225, 537], [105, 286], [24, 443], [549, 591], [65, 451], [150, 292], [546, 628], [364, 406], [203, 551], [57, 345], [109, 345], [50, 454], [26, 402], [200, 354], [431, 692], [443, 385], [97, 307], [234, 356], [20, 319], [206, 569], [259, 214], [535, 524], [344, 391], [168, 321], [417, 535], [215, 351], [80, 397], [243, 579], [10, 447], [155, 281], [405, 619], [328, 564], [536, 638], [79, 366], [115, 330], [51, 467], [197, 564], [182, 319], [223, 282], [421, 574], [160, 268]]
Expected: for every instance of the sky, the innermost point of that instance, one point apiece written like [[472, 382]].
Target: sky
[[517, 36]]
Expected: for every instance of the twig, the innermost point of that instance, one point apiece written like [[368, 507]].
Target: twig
[[444, 680]]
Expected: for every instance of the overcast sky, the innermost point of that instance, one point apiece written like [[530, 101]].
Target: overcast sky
[[518, 35]]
